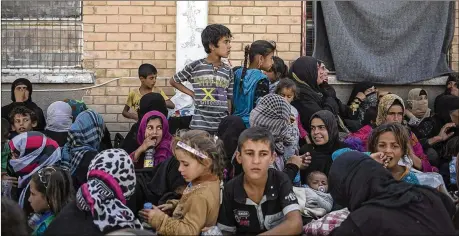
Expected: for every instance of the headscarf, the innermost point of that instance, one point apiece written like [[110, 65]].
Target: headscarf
[[21, 81], [332, 128], [152, 102], [229, 131], [359, 87], [163, 149], [304, 71], [34, 151], [446, 104], [77, 107], [356, 180], [84, 135], [414, 101], [273, 113], [111, 181], [384, 105], [59, 117]]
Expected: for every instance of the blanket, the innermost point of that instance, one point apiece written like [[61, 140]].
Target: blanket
[[313, 203], [384, 42]]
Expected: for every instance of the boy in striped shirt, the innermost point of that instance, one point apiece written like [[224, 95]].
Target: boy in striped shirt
[[212, 80]]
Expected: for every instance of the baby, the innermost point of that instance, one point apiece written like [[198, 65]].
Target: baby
[[318, 181], [318, 201]]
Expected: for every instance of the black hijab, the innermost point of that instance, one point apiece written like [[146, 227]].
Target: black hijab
[[332, 127], [148, 102], [305, 69], [21, 81], [356, 180], [229, 130], [446, 104], [359, 87]]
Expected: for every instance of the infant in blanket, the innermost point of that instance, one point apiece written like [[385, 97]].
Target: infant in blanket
[[318, 181], [317, 201]]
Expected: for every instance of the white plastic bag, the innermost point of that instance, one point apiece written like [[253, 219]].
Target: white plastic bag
[[184, 104]]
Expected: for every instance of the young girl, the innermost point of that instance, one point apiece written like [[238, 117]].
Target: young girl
[[201, 160], [51, 189], [251, 83], [278, 71], [390, 145], [287, 89]]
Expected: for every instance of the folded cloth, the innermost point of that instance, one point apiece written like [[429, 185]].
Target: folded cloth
[[326, 224]]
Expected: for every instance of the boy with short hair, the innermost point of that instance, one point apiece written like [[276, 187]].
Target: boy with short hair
[[212, 80], [22, 120], [259, 192], [147, 76]]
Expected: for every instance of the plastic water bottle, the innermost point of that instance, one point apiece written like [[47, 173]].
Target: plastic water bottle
[[147, 206], [452, 170], [7, 185], [149, 157], [33, 220]]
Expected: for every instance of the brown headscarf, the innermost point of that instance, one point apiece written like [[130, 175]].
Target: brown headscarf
[[384, 105]]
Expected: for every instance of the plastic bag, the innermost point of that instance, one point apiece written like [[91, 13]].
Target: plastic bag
[[184, 104]]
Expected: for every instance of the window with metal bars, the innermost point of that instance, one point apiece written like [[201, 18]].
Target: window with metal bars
[[41, 34]]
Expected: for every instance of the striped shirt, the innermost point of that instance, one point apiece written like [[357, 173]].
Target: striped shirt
[[213, 87]]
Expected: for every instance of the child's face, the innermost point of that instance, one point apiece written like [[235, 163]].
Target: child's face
[[266, 62], [387, 144], [319, 182], [37, 200], [255, 158], [154, 130], [189, 167], [319, 132], [23, 123], [395, 114], [287, 94], [223, 48], [148, 82]]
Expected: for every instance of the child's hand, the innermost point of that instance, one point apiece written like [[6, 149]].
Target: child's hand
[[166, 207], [381, 158], [13, 180], [292, 119], [148, 142]]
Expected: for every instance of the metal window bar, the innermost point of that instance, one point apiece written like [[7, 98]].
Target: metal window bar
[[41, 34], [453, 52]]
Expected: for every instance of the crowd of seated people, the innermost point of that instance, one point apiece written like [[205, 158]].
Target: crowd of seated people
[[274, 151]]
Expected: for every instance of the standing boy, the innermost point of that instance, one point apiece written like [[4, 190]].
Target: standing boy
[[212, 80], [147, 76], [260, 200]]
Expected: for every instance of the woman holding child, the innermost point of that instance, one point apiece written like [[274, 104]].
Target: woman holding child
[[324, 141]]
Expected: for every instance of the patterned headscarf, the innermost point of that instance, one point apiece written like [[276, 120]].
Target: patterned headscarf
[[111, 181], [59, 117], [77, 107], [384, 105], [273, 113], [84, 135], [34, 151]]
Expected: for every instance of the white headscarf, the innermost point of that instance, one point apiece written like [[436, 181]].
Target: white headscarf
[[59, 117]]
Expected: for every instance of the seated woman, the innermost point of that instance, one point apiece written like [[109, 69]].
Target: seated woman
[[58, 121], [380, 205], [84, 138], [78, 107], [363, 96], [273, 113], [324, 141], [391, 109], [390, 145], [229, 131], [30, 152], [21, 95], [148, 102], [100, 205], [153, 133], [51, 189]]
